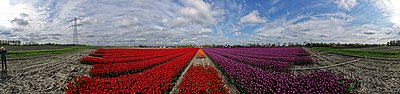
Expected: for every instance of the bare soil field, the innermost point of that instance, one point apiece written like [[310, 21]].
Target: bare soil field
[[48, 74], [377, 76]]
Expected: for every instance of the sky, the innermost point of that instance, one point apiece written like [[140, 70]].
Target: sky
[[176, 22]]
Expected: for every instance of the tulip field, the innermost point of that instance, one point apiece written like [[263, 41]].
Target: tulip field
[[145, 76], [250, 70], [200, 54], [262, 70], [209, 70], [202, 79]]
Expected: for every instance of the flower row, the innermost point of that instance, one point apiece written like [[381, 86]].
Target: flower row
[[275, 54], [261, 63], [200, 54], [202, 80], [117, 69], [128, 56], [156, 80], [255, 80]]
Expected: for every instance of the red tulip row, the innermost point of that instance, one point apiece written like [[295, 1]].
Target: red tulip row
[[127, 57], [157, 80], [115, 53], [119, 50], [202, 80], [117, 69], [104, 53]]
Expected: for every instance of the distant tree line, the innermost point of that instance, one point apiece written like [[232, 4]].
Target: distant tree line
[[255, 45], [393, 43], [340, 45], [267, 45], [31, 43], [10, 42], [250, 45]]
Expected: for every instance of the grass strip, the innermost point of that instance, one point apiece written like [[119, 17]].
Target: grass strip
[[361, 52], [20, 54]]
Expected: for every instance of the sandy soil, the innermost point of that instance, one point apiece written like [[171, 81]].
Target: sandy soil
[[377, 76], [43, 75]]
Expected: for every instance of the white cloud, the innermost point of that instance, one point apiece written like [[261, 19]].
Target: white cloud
[[159, 22], [323, 35], [91, 20], [200, 11], [370, 32], [20, 22], [252, 18], [127, 21], [237, 33], [273, 2], [205, 30], [346, 4], [323, 29], [272, 10], [180, 21], [19, 14], [132, 19], [391, 8]]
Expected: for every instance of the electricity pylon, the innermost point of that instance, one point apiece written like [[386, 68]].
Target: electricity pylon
[[75, 27]]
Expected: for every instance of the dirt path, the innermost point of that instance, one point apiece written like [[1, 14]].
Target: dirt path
[[175, 88], [206, 61], [42, 75], [323, 67], [231, 87]]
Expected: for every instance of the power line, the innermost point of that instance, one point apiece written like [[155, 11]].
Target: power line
[[75, 27]]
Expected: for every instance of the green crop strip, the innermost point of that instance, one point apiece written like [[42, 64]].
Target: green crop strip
[[361, 52]]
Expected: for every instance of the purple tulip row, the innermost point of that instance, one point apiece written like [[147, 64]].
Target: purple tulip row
[[258, 81], [264, 57], [274, 54], [278, 52], [261, 63]]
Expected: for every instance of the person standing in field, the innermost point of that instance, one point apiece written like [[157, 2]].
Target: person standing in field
[[3, 58]]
